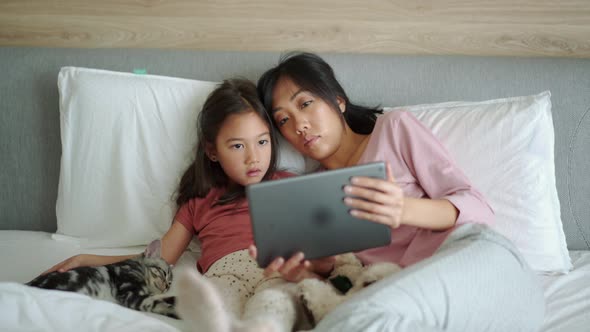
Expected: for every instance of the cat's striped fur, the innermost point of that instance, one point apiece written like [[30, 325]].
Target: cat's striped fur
[[138, 283]]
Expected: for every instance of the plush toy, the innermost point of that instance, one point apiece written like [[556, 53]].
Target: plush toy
[[349, 276]]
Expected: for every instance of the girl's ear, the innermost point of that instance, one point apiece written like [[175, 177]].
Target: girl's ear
[[211, 152], [341, 104]]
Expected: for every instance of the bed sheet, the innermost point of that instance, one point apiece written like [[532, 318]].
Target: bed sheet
[[25, 254], [568, 297]]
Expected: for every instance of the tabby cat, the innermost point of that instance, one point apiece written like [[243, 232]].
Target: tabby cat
[[137, 283]]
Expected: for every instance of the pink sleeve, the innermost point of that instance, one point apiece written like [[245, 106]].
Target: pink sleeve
[[185, 214], [436, 172]]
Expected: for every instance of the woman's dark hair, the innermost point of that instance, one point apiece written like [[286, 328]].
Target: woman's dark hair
[[233, 96], [313, 74]]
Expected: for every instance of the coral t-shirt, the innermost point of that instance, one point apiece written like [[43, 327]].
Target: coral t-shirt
[[221, 229], [423, 168]]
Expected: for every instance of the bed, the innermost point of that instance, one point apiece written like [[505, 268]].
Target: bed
[[32, 139]]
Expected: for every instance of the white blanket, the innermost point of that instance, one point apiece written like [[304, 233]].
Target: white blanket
[[26, 254], [25, 308]]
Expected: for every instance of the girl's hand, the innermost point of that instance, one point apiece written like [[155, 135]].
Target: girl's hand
[[297, 267], [86, 260], [70, 263], [377, 200]]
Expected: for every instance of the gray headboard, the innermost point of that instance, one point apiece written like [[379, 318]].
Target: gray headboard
[[29, 120]]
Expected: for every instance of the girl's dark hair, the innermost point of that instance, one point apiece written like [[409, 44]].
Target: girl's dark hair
[[313, 74], [233, 96]]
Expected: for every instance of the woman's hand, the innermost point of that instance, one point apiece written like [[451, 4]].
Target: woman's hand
[[296, 268], [376, 200]]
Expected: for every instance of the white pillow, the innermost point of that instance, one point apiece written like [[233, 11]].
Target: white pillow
[[126, 140], [506, 148]]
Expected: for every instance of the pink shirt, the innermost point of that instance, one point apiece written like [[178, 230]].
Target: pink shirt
[[222, 229], [423, 168]]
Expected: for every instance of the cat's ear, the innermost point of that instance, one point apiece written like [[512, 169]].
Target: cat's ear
[[153, 249]]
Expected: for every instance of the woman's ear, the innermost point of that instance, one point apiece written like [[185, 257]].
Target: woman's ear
[[211, 152], [341, 104]]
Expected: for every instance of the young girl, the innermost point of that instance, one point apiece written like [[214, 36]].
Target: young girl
[[459, 275], [236, 148]]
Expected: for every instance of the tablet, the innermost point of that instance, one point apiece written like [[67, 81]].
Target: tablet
[[307, 213]]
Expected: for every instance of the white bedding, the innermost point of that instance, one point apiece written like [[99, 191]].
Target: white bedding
[[568, 297], [22, 308], [26, 254]]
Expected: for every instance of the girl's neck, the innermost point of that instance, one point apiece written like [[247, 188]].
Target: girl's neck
[[351, 149]]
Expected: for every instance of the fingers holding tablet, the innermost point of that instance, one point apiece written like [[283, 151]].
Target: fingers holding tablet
[[297, 268], [376, 200], [294, 269]]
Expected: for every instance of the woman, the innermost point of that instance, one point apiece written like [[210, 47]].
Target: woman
[[459, 275]]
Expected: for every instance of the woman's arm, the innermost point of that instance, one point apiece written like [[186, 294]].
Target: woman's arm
[[424, 163], [435, 214], [174, 242], [382, 201]]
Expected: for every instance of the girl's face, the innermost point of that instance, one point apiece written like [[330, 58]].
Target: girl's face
[[306, 121], [242, 148]]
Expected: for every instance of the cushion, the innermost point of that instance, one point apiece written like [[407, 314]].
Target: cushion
[[126, 141], [506, 148]]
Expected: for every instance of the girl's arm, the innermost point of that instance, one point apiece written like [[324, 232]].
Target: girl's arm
[[174, 242], [86, 260]]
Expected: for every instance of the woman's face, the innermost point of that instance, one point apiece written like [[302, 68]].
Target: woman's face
[[306, 121]]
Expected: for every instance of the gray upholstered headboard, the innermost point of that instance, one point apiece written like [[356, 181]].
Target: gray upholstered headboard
[[29, 120]]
